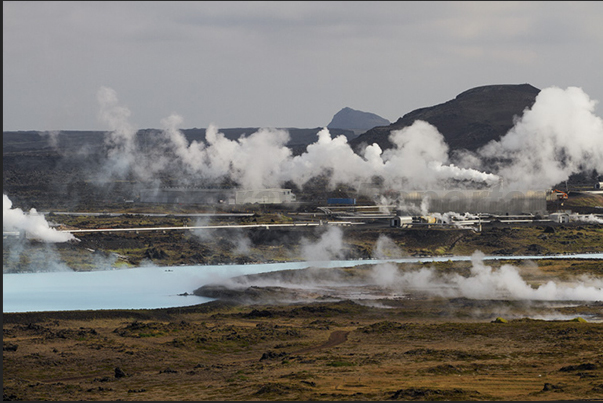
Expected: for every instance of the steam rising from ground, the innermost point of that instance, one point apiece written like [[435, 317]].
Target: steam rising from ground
[[33, 224], [30, 243], [419, 158], [328, 247], [241, 244], [590, 219], [385, 248], [558, 136], [484, 282], [387, 280]]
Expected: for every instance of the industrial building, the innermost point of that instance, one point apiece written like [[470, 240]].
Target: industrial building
[[264, 196], [476, 201]]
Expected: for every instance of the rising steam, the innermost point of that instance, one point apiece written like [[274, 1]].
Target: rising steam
[[484, 282], [260, 160], [330, 246], [559, 136], [390, 280], [34, 225]]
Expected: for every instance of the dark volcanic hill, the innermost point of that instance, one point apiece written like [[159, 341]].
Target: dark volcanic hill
[[352, 119], [468, 121]]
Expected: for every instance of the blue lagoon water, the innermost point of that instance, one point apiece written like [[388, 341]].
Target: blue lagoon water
[[158, 287]]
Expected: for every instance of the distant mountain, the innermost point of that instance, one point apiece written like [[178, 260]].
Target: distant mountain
[[469, 121], [359, 121]]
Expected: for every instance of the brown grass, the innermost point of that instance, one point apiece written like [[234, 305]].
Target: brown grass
[[231, 352]]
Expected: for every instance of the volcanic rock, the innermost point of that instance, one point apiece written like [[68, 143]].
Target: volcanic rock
[[469, 121]]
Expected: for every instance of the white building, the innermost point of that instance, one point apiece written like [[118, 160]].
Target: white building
[[264, 196], [400, 221]]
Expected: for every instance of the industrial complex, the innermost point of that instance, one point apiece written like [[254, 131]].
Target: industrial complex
[[429, 208]]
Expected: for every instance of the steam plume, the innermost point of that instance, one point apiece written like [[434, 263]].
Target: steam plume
[[419, 158], [557, 137], [385, 248], [32, 223], [121, 139], [328, 247], [591, 218], [484, 282], [387, 280]]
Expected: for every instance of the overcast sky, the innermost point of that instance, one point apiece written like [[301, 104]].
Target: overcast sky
[[282, 64]]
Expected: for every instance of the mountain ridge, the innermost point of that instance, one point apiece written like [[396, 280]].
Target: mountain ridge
[[469, 121], [358, 121]]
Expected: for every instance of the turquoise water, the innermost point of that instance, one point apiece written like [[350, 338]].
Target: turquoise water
[[158, 287]]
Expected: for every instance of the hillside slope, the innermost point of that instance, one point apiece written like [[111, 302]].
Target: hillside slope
[[468, 121], [352, 119]]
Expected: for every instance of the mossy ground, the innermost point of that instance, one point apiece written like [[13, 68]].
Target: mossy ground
[[232, 352]]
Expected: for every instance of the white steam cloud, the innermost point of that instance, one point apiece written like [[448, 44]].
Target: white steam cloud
[[385, 248], [484, 282], [121, 139], [559, 136], [419, 158], [389, 280], [590, 218], [329, 246], [33, 224]]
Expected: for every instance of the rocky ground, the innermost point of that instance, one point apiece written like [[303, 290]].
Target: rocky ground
[[418, 349], [345, 341]]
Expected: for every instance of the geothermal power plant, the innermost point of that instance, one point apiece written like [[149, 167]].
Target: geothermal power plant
[[471, 208]]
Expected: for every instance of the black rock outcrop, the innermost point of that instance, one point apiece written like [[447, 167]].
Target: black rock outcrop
[[469, 121]]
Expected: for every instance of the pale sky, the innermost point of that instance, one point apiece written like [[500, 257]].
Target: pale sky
[[282, 64]]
